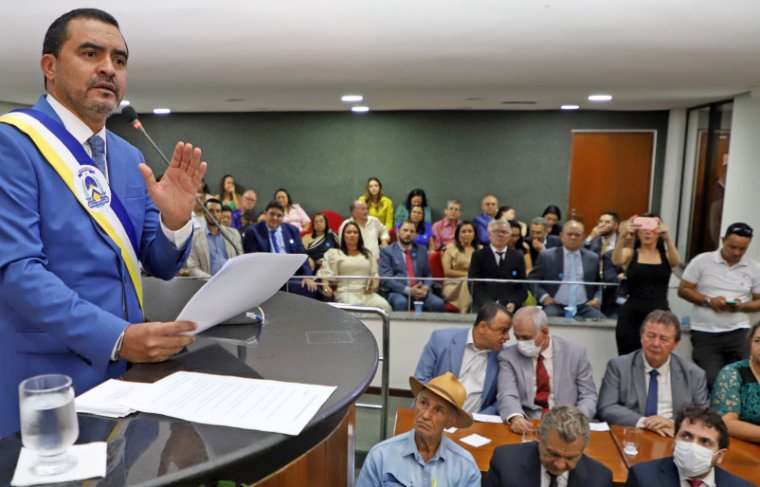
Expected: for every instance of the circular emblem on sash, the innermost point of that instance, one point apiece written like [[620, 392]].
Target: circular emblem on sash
[[92, 188]]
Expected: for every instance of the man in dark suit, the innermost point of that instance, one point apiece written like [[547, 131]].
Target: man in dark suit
[[402, 259], [557, 458], [647, 387], [271, 235], [539, 238], [569, 263], [701, 444], [497, 261]]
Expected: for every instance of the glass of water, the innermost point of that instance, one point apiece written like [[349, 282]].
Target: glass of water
[[49, 422], [631, 437]]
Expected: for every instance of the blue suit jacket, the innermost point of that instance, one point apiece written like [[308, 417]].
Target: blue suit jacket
[[443, 353], [65, 294], [550, 267], [663, 473], [256, 239], [393, 264], [518, 465], [481, 228]]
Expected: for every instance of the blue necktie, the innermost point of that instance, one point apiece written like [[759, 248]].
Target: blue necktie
[[98, 147], [572, 295], [651, 409], [273, 236]]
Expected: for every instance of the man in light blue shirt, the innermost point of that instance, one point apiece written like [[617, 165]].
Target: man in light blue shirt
[[424, 456], [210, 249]]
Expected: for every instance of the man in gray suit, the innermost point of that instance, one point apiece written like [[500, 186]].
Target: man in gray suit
[[210, 249], [542, 371], [646, 388], [569, 263]]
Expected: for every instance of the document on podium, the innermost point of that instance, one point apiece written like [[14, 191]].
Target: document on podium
[[242, 283], [264, 405]]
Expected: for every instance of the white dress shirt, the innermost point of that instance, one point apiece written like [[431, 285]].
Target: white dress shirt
[[664, 391], [472, 375], [562, 479]]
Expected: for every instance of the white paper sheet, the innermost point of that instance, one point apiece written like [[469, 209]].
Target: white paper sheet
[[453, 429], [91, 463], [242, 283], [599, 426], [264, 405], [110, 398], [487, 418], [475, 440]]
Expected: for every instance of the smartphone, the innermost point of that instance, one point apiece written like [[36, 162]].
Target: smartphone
[[646, 222]]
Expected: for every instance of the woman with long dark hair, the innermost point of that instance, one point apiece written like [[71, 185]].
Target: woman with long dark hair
[[320, 240], [379, 205], [228, 194], [416, 197], [294, 214], [456, 262], [553, 217]]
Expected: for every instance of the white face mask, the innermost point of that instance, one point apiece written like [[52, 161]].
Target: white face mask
[[692, 460], [528, 348]]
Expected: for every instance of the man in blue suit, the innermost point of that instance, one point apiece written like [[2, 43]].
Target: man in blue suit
[[404, 258], [271, 235], [701, 444], [573, 263], [470, 354], [70, 289]]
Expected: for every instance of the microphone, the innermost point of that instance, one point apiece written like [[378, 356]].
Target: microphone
[[131, 115]]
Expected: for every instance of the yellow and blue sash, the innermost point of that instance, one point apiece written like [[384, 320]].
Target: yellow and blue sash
[[67, 156]]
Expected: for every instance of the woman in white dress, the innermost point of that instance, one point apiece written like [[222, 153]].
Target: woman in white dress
[[352, 259]]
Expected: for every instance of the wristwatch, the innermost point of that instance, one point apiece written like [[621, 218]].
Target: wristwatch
[[706, 302]]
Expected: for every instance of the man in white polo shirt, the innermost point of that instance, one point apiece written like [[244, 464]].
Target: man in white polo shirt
[[724, 286]]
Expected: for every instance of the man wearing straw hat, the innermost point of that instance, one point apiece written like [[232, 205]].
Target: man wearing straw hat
[[424, 455]]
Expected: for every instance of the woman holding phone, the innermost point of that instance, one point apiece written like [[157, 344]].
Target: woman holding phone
[[647, 254]]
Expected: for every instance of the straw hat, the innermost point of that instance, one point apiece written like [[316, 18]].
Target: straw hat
[[448, 387]]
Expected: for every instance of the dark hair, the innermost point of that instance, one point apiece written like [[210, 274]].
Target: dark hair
[[249, 215], [212, 200], [226, 209], [488, 312], [611, 213], [314, 227], [554, 210], [222, 192], [420, 225], [274, 204], [368, 197], [707, 417], [740, 229], [58, 32], [660, 244], [518, 246], [458, 230], [500, 212], [412, 194], [360, 244], [283, 190], [663, 317], [751, 333]]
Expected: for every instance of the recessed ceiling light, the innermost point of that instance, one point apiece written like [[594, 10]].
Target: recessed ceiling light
[[600, 97], [569, 107], [124, 103], [162, 111], [360, 109], [351, 98]]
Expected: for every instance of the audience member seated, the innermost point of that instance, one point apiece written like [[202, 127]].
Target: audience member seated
[[407, 259], [379, 205], [497, 261], [247, 203], [351, 259], [226, 217], [701, 444], [273, 236], [542, 371], [424, 231], [320, 240], [471, 354], [203, 188], [247, 219], [647, 257], [294, 214], [553, 217], [416, 197], [490, 207], [508, 213], [736, 394], [647, 387], [424, 453], [539, 239], [556, 459], [517, 243], [374, 233], [210, 250], [456, 264], [569, 263], [228, 194], [445, 228]]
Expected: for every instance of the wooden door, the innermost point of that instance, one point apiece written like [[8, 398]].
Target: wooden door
[[609, 171]]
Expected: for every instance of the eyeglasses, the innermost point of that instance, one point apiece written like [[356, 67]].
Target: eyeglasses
[[739, 229]]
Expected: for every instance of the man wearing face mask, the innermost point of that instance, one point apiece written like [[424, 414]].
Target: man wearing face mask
[[700, 446], [542, 371]]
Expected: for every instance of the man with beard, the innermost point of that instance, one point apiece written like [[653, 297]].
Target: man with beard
[[70, 288], [210, 247]]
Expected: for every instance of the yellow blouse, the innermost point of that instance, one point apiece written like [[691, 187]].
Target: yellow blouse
[[383, 211]]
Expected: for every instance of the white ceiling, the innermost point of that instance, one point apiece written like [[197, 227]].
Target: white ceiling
[[255, 55]]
